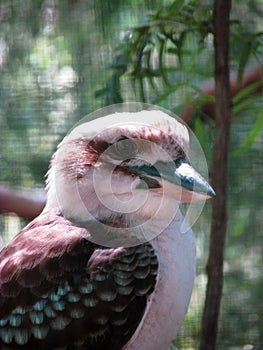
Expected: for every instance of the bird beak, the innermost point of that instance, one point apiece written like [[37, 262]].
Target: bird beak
[[182, 181]]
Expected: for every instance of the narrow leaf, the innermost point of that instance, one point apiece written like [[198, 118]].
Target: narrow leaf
[[251, 136], [203, 138], [250, 89]]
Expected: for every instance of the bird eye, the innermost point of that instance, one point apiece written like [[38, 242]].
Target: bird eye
[[125, 148]]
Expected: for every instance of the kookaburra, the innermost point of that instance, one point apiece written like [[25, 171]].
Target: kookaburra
[[106, 265]]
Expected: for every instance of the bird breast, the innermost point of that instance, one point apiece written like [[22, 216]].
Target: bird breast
[[168, 304]]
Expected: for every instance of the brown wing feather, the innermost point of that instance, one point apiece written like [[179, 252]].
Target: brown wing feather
[[58, 290]]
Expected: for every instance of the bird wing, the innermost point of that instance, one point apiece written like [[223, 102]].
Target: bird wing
[[59, 290]]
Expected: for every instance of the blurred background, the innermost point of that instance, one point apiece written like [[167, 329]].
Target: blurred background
[[60, 60]]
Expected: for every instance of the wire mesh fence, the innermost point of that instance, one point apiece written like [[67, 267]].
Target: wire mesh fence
[[54, 60]]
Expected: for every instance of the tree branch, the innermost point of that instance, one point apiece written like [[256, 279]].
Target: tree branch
[[25, 204], [221, 15]]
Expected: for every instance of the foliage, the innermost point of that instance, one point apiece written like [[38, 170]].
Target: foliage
[[168, 56], [164, 54], [53, 56]]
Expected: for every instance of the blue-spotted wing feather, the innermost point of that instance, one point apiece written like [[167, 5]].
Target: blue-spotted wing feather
[[58, 290]]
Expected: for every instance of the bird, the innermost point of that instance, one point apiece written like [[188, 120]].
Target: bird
[[106, 265]]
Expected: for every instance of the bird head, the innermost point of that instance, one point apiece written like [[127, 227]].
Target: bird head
[[125, 164]]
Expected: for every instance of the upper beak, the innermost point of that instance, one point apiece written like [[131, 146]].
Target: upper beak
[[181, 177]]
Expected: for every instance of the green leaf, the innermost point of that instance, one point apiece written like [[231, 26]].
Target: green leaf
[[244, 104], [243, 59], [251, 136], [161, 65], [176, 6], [250, 89], [150, 75], [201, 134]]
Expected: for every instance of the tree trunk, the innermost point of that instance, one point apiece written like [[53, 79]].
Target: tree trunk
[[221, 14]]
